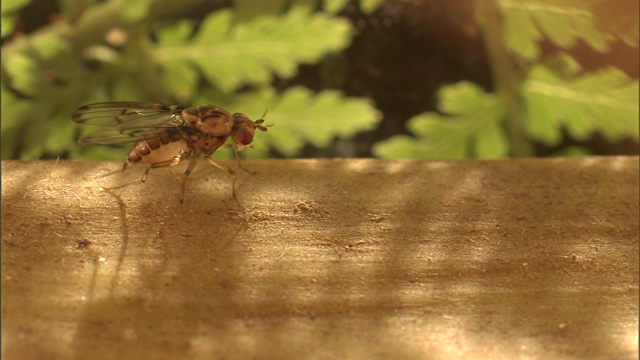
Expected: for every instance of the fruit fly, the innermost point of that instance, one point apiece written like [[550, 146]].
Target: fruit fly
[[166, 135]]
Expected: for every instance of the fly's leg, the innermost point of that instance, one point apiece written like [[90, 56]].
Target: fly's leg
[[190, 167], [124, 168], [224, 167], [220, 165], [236, 151], [170, 162]]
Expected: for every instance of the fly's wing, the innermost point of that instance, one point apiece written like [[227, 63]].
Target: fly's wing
[[126, 122], [115, 136]]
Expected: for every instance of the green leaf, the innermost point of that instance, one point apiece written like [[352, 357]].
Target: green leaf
[[441, 136], [491, 141], [99, 152], [248, 9], [23, 72], [230, 56], [334, 6], [299, 116], [33, 138], [462, 98], [49, 45], [181, 81], [175, 34], [369, 6], [563, 22], [605, 101], [404, 147], [9, 9], [574, 151], [61, 131], [15, 114], [7, 24], [126, 88], [102, 54], [471, 126], [135, 10]]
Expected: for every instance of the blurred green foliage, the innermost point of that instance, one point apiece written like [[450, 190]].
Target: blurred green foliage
[[9, 8], [152, 51], [537, 98], [159, 51], [472, 126]]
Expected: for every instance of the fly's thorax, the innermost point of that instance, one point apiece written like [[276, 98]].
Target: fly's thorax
[[159, 146], [205, 144], [209, 119]]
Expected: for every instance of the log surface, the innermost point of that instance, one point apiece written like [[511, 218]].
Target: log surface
[[506, 259]]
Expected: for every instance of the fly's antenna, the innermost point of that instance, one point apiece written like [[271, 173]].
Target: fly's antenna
[[265, 113], [261, 120]]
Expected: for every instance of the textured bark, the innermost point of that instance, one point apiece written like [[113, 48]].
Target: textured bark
[[532, 258]]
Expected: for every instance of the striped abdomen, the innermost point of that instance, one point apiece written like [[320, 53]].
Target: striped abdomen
[[157, 147]]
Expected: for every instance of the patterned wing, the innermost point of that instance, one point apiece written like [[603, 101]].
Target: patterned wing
[[127, 122]]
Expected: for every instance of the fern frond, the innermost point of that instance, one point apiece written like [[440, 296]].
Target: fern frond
[[300, 116], [471, 125], [604, 101], [563, 22], [252, 52]]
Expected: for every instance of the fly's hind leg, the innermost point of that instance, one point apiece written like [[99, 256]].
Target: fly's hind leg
[[124, 168], [170, 162]]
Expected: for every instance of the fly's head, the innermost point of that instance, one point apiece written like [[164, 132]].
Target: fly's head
[[244, 129]]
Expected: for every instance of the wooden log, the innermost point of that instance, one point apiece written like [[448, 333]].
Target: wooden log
[[532, 258]]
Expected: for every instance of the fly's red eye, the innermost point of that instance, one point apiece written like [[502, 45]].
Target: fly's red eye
[[244, 137]]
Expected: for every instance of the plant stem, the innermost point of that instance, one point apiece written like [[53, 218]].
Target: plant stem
[[505, 76]]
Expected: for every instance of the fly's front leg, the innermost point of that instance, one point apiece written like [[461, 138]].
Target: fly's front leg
[[219, 165], [236, 151], [227, 169], [190, 167]]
